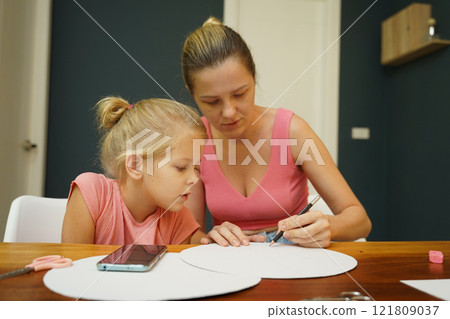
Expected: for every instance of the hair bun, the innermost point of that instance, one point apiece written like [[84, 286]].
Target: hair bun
[[110, 110], [212, 21]]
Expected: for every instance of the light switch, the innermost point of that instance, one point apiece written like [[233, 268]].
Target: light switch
[[360, 133]]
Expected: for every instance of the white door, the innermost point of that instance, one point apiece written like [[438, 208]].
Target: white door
[[24, 63], [296, 52]]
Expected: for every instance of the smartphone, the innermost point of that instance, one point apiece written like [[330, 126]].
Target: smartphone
[[132, 258]]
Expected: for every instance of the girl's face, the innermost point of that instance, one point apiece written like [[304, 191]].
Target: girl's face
[[169, 186], [226, 96]]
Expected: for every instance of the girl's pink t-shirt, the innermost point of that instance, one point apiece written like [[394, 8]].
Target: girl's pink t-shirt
[[114, 224]]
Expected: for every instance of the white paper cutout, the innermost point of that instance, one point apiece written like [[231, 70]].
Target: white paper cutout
[[280, 261], [439, 288], [169, 279]]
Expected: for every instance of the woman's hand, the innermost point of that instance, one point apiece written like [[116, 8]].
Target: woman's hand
[[228, 233], [311, 229]]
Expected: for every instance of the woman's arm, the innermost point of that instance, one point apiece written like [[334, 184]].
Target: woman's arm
[[224, 234], [78, 226], [350, 220]]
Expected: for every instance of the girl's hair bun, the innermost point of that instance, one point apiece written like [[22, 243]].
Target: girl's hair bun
[[110, 110]]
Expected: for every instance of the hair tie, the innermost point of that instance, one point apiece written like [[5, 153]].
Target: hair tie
[[131, 105]]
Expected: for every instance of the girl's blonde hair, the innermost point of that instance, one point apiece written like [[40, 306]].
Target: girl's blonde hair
[[210, 45], [123, 124]]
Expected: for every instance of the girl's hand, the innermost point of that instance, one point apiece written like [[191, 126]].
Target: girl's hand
[[228, 233], [311, 229]]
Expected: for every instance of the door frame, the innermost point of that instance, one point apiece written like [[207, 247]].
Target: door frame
[[25, 29]]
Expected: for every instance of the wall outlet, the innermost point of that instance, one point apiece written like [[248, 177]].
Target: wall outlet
[[360, 133]]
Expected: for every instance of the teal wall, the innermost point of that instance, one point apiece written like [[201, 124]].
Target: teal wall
[[401, 174]]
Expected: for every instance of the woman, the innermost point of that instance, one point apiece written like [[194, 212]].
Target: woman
[[261, 179]]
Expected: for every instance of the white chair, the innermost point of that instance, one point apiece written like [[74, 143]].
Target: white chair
[[35, 219], [323, 207]]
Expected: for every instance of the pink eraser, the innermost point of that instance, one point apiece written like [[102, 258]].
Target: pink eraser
[[436, 256]]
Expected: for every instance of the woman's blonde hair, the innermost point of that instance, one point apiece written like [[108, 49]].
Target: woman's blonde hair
[[210, 45], [123, 124]]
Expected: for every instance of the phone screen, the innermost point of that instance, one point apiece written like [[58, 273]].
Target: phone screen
[[132, 258]]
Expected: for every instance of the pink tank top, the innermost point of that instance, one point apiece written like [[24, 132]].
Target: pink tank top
[[282, 185]]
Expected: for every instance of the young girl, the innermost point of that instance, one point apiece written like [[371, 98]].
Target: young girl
[[148, 153], [247, 199]]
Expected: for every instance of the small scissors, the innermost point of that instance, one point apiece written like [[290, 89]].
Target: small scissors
[[38, 264], [343, 296]]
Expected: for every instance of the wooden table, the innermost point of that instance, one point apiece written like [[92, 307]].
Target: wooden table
[[381, 266]]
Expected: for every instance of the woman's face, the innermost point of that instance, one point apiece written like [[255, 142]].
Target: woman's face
[[226, 96]]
